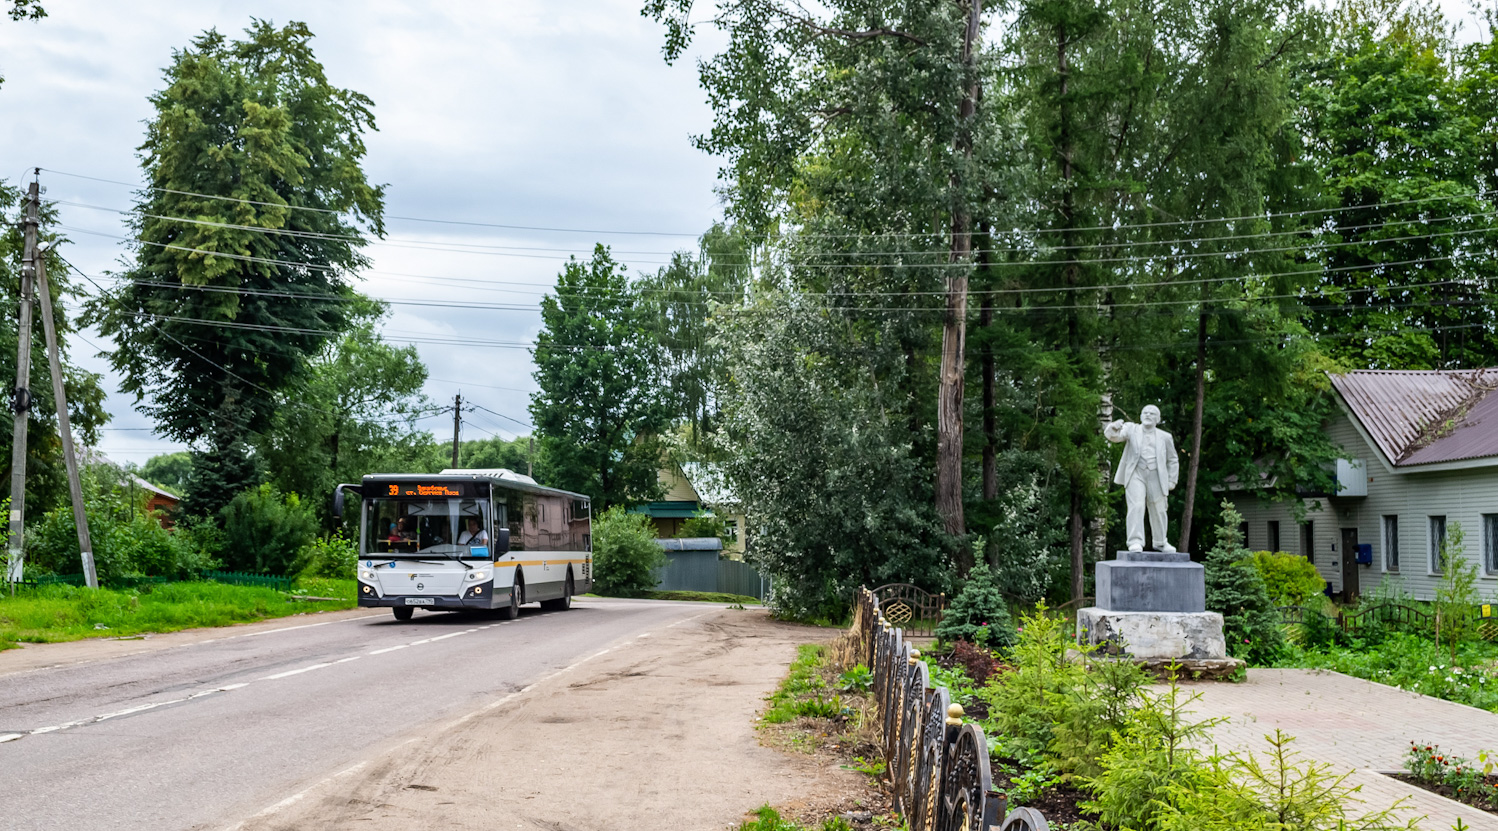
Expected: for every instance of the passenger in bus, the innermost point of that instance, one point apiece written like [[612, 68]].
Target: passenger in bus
[[474, 535]]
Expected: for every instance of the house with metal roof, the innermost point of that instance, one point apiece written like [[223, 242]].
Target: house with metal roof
[[1422, 460], [689, 489]]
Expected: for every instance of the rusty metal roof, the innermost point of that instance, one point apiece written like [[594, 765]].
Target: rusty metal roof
[[1419, 417]]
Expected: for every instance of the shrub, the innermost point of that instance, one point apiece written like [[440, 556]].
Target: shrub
[[264, 530], [979, 613], [704, 524], [1151, 765], [1022, 703], [977, 661], [1236, 589], [335, 557], [127, 543], [1290, 579], [625, 554]]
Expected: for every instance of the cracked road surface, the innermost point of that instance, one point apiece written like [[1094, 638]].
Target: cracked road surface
[[617, 714]]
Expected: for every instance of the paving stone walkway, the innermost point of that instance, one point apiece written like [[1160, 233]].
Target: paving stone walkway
[[1353, 725]]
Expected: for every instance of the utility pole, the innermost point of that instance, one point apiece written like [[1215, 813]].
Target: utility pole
[[64, 429], [530, 456], [21, 397], [457, 424]]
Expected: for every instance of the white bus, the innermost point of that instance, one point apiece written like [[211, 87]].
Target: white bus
[[469, 539]]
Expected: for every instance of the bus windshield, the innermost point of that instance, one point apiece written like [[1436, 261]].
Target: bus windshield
[[441, 528]]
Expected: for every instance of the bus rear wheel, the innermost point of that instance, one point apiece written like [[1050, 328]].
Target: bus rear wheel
[[563, 603], [402, 612]]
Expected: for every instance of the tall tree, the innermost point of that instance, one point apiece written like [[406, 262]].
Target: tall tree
[[247, 234], [354, 414], [600, 413]]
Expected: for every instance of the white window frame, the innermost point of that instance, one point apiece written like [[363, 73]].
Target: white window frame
[[1433, 542], [1489, 545], [1390, 542]]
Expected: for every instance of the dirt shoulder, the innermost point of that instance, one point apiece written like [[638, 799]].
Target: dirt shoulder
[[657, 732]]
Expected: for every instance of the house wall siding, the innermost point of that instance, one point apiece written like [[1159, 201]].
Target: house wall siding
[[1462, 496]]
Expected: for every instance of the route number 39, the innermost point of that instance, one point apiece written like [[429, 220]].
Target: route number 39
[[395, 490]]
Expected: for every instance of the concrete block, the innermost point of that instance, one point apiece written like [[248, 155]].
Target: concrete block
[[1153, 556], [1125, 586], [1195, 636]]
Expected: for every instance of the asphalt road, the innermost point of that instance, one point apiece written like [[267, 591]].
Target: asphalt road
[[208, 733]]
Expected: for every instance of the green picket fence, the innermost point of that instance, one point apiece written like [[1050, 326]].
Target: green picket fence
[[244, 578]]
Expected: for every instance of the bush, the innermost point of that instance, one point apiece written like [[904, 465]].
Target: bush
[[704, 524], [979, 614], [1290, 578], [625, 554], [1236, 589], [264, 530], [978, 661], [335, 557]]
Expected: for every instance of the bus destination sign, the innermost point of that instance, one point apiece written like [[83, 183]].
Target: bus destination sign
[[425, 490]]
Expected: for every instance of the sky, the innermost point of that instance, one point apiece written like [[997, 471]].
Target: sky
[[510, 113]]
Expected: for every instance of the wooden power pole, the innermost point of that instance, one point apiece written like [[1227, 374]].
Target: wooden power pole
[[21, 397], [457, 424], [64, 428]]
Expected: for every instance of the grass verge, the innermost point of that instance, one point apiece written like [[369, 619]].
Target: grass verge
[[51, 614]]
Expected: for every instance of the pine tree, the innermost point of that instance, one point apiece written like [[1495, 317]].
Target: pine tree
[[1235, 588], [979, 606]]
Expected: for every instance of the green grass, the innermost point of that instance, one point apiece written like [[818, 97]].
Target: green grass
[[801, 694], [1412, 662], [50, 614], [766, 819]]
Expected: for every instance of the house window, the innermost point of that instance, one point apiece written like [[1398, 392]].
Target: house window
[[1437, 536], [1391, 543], [1490, 543], [1308, 541], [1243, 530], [732, 528], [1274, 535]]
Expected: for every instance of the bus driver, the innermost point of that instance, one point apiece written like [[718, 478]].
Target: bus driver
[[474, 535]]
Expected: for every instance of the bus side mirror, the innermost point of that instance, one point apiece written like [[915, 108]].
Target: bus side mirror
[[338, 498], [501, 541]]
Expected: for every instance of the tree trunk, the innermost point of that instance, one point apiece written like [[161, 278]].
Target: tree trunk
[[1078, 536], [1071, 277], [990, 430], [951, 379], [1196, 431]]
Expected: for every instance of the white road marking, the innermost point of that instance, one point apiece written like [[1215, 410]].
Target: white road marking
[[292, 672], [300, 795], [388, 649], [10, 737]]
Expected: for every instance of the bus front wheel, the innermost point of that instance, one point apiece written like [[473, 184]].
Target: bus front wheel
[[402, 612], [517, 596]]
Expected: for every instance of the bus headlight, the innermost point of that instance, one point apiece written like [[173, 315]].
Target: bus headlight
[[478, 574], [367, 576]]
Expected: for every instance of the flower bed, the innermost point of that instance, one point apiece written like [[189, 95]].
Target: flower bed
[[1454, 777]]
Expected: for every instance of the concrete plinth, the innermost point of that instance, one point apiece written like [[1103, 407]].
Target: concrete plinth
[[1151, 636], [1151, 581]]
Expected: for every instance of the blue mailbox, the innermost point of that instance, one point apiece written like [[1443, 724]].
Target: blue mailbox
[[1365, 554]]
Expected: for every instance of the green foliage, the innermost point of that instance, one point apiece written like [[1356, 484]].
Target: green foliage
[[127, 542], [265, 530], [1239, 792], [334, 556], [255, 125], [1151, 764], [978, 614], [168, 470], [52, 614], [1022, 703], [858, 679], [1091, 714], [599, 414], [802, 691], [836, 493], [704, 524], [1456, 594], [355, 413], [1290, 579], [767, 819], [625, 553], [1236, 589]]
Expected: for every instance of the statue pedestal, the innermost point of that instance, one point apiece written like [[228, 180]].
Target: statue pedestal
[[1151, 606]]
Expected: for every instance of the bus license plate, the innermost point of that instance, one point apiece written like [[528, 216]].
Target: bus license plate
[[420, 601]]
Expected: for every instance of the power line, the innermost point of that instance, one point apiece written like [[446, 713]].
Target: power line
[[1117, 226]]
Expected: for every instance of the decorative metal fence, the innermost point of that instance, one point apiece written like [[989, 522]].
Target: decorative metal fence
[[938, 766], [241, 578], [915, 610]]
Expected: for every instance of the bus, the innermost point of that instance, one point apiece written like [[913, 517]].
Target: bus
[[469, 540]]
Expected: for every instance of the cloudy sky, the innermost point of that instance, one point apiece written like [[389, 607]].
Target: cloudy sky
[[508, 112], [521, 113]]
